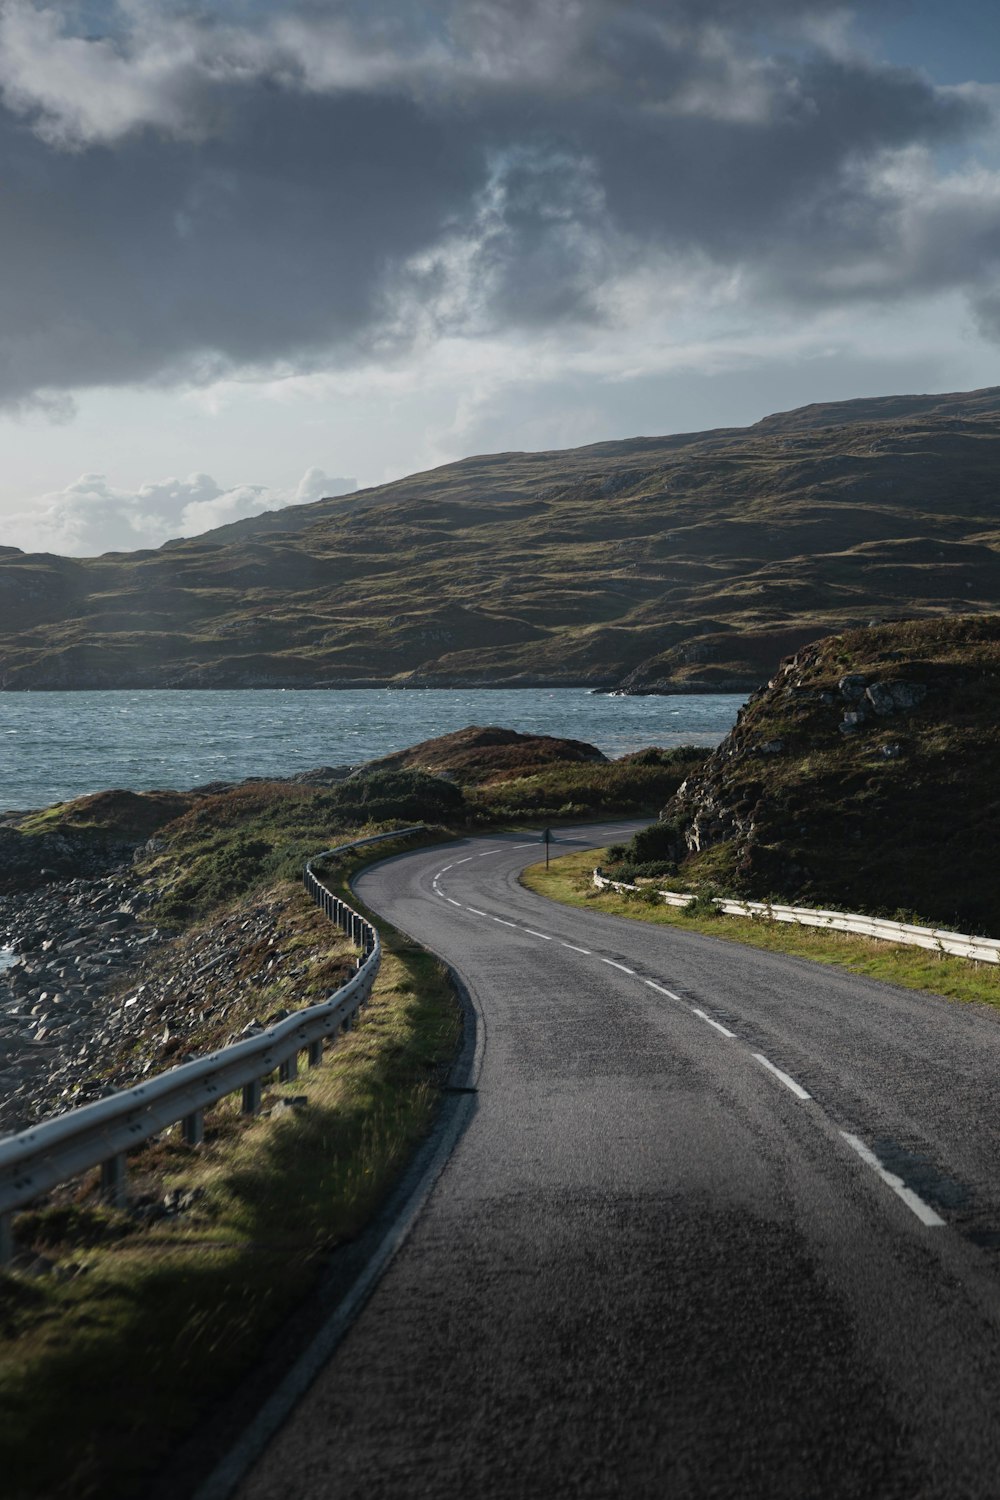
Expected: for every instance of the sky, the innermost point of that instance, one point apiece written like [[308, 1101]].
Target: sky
[[256, 253]]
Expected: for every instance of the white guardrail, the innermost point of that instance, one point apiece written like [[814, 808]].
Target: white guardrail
[[35, 1161], [961, 944]]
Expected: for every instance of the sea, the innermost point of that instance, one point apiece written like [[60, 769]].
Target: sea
[[55, 745]]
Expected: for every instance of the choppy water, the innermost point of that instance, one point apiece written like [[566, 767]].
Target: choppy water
[[54, 746]]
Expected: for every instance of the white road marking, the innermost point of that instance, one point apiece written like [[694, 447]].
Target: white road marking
[[526, 846], [789, 1083], [488, 853], [923, 1210], [717, 1024], [444, 869], [659, 988], [914, 1203], [464, 861]]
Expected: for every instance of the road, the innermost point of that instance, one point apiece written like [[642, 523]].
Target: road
[[721, 1224]]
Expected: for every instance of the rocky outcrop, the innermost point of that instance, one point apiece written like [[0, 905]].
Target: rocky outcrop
[[37, 859], [866, 773], [714, 805]]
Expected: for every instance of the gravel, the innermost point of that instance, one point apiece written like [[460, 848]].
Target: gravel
[[98, 996]]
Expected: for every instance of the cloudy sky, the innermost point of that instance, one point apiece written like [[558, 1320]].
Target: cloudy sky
[[251, 248]]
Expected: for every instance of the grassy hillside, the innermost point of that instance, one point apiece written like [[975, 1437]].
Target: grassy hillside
[[866, 774], [657, 564]]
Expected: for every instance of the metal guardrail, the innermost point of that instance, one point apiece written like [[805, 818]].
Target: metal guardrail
[[938, 939], [35, 1161]]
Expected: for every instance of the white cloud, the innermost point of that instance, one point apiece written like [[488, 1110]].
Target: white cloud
[[91, 515]]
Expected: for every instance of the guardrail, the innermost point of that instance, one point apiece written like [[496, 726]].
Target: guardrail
[[938, 939], [35, 1161]]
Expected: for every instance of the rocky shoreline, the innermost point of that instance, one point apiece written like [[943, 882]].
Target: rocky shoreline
[[98, 997], [74, 941]]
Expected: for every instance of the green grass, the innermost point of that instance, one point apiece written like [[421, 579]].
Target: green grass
[[107, 1361], [230, 842], [637, 784], [569, 879]]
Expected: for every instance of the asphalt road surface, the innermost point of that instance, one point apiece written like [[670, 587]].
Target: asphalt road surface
[[721, 1223]]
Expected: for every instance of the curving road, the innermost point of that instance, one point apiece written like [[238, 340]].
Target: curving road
[[721, 1224]]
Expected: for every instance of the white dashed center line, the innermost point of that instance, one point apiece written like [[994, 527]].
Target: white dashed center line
[[661, 991], [717, 1024], [789, 1083], [916, 1205]]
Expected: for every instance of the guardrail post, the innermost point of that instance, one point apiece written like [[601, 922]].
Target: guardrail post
[[289, 1069], [193, 1127], [251, 1097], [6, 1239], [315, 1054], [113, 1174]]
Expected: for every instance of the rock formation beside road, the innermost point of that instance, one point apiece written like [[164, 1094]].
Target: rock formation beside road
[[866, 774]]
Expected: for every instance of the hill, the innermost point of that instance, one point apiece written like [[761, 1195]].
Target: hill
[[866, 775], [681, 563]]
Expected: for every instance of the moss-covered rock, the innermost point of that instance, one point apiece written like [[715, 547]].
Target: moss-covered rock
[[900, 812]]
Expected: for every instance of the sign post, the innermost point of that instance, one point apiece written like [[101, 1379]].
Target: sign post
[[547, 836]]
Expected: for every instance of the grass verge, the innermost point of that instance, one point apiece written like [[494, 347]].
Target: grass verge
[[122, 1344], [568, 879]]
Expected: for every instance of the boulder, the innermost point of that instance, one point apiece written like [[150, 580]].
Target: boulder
[[894, 697]]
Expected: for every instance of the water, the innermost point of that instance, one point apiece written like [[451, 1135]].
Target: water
[[54, 746]]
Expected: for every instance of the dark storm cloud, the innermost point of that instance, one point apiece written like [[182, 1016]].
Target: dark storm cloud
[[305, 184]]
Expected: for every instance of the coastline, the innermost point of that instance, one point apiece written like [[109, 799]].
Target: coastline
[[610, 689]]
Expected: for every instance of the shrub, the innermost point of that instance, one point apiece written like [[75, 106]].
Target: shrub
[[414, 796], [660, 841]]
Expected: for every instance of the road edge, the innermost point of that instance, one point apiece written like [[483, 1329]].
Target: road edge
[[389, 1233]]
